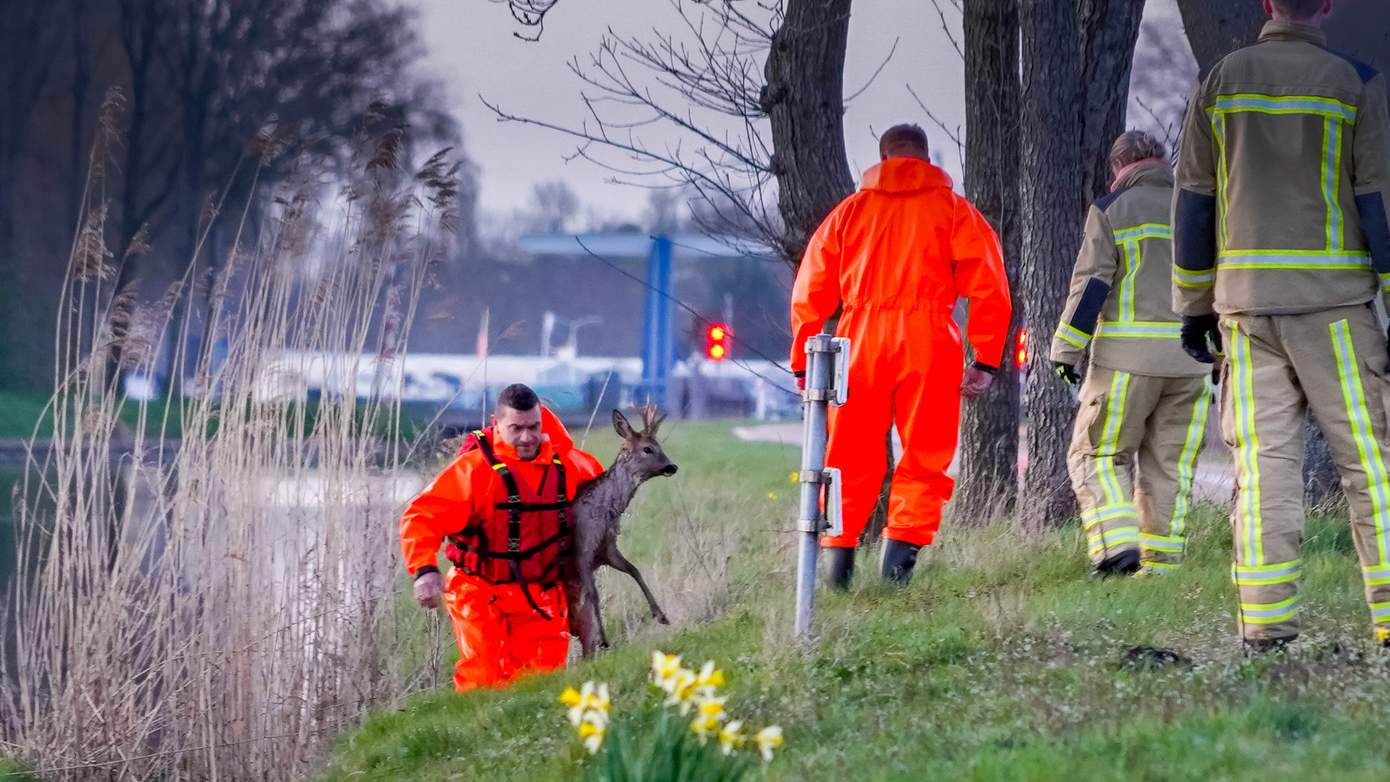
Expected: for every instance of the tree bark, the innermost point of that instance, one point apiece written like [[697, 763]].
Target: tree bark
[[804, 100], [988, 486], [1216, 29], [1076, 65]]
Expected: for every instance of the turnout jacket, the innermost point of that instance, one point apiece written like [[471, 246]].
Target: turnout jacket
[[1282, 182], [1120, 303]]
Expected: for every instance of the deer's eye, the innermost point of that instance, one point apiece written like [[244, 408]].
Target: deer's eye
[[647, 449]]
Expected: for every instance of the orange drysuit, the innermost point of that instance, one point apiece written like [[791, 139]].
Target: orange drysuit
[[501, 634], [897, 255]]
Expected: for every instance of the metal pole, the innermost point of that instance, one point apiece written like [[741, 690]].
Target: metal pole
[[819, 392]]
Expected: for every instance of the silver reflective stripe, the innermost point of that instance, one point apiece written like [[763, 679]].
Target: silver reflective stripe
[[1146, 231], [1191, 279], [1292, 104], [1268, 574], [1139, 330], [1269, 613], [1293, 260]]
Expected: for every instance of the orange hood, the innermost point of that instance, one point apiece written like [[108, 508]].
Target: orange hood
[[905, 175]]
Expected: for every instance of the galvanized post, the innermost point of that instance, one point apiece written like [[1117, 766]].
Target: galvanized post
[[658, 338], [827, 362]]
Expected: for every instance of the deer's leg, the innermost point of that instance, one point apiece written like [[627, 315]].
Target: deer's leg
[[617, 561], [592, 606]]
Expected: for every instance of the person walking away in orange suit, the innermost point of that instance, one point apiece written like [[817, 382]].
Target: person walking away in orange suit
[[893, 259], [502, 506]]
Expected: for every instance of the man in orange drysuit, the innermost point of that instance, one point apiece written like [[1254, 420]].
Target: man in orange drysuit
[[502, 505], [894, 258]]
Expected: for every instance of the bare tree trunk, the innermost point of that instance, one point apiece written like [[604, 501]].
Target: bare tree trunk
[[1216, 29], [804, 100], [1076, 66], [988, 486]]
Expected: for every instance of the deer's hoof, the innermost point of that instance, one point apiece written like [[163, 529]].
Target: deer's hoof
[[661, 619]]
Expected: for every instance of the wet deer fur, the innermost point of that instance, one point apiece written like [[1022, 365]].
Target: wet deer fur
[[597, 520]]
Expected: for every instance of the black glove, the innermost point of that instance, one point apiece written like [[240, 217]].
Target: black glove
[[1196, 331], [1067, 372]]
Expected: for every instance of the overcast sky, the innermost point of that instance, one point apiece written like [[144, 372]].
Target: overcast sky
[[471, 49]]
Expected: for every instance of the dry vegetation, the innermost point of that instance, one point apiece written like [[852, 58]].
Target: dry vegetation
[[220, 605]]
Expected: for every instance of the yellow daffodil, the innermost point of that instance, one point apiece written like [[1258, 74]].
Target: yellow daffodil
[[710, 676], [768, 739], [591, 698], [664, 668], [772, 495], [794, 478], [730, 738], [704, 725], [593, 730], [570, 697], [711, 707], [681, 689]]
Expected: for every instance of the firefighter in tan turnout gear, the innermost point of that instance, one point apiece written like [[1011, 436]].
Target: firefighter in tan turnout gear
[[1282, 244], [1144, 402]]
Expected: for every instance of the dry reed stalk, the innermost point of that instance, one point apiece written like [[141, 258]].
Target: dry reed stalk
[[218, 606]]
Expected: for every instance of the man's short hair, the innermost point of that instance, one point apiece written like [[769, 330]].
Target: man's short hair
[[1298, 9], [518, 397], [1134, 146], [905, 138]]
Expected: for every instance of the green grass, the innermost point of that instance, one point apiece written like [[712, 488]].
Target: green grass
[[12, 771], [1002, 661]]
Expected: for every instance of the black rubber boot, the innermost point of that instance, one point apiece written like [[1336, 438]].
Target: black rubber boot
[[1122, 564], [899, 559], [1267, 645], [841, 568]]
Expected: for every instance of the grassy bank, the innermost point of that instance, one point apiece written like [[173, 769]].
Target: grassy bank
[[1002, 661]]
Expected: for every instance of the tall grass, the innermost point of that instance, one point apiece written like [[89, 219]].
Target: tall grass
[[220, 605]]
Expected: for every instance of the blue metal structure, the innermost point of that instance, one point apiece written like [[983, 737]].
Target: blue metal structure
[[658, 334]]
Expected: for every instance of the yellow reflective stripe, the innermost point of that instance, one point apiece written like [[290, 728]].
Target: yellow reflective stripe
[[1293, 260], [1150, 566], [1187, 458], [1375, 575], [1223, 178], [1247, 446], [1133, 257], [1191, 279], [1264, 575], [1139, 329], [1167, 543], [1380, 612], [1385, 283], [1110, 436], [1367, 449], [499, 467], [1073, 336], [1332, 179], [1145, 231], [1269, 613], [1114, 537], [1313, 105], [1119, 510]]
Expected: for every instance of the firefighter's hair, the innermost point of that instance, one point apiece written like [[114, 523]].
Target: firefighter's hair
[[903, 138], [518, 397], [1133, 146], [1298, 9]]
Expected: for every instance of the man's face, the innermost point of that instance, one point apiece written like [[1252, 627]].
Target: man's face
[[521, 429]]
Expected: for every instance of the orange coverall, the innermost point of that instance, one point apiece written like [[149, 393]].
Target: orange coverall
[[897, 255], [500, 636]]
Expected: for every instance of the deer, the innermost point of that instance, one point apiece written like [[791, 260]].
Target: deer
[[596, 521]]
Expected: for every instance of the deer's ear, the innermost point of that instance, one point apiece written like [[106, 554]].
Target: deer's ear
[[621, 426]]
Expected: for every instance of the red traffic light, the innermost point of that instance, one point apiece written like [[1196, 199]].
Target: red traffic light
[[717, 337]]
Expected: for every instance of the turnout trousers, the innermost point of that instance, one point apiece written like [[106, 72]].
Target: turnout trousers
[[500, 636], [905, 369], [1279, 367], [1132, 460]]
